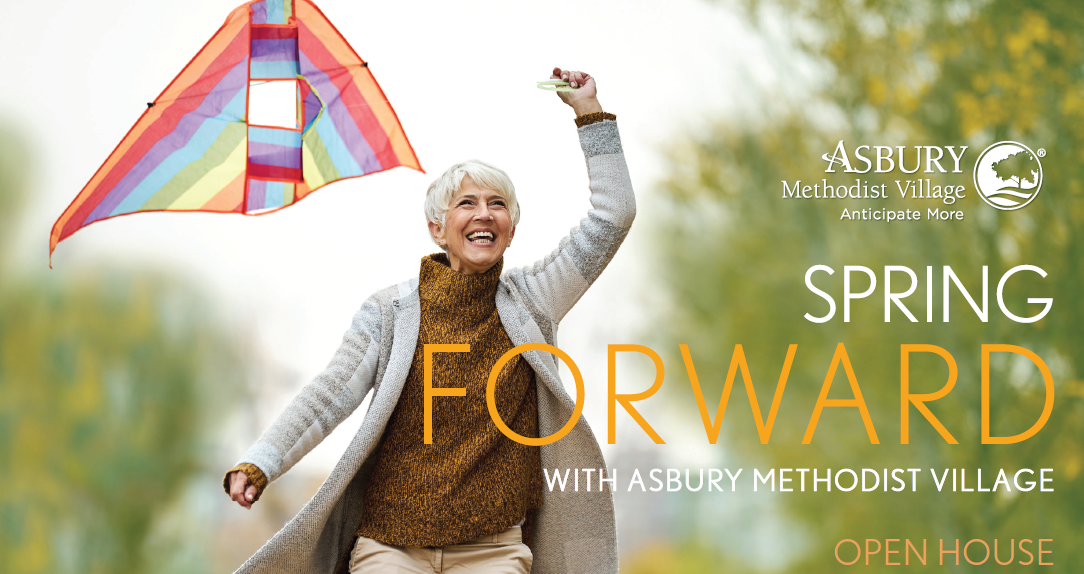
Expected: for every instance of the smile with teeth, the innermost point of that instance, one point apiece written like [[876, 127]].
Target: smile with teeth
[[480, 237]]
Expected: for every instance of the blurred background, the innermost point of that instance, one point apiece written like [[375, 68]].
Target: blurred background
[[157, 349]]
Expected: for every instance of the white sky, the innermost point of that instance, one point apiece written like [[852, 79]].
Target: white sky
[[461, 78]]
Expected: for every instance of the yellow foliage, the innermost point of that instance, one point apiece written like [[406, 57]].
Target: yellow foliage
[[972, 116], [32, 555], [876, 90], [669, 558], [1071, 464], [31, 444]]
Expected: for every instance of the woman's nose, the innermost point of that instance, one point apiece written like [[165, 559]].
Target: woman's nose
[[483, 213]]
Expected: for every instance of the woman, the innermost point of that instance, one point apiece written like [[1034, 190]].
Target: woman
[[466, 501]]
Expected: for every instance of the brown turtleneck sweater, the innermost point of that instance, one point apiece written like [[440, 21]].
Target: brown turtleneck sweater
[[472, 481]]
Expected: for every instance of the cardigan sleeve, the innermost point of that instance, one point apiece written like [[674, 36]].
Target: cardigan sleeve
[[556, 282], [322, 404]]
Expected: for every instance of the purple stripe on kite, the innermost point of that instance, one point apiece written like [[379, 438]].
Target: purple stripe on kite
[[257, 191], [340, 116], [271, 154], [211, 107], [259, 13], [279, 50], [312, 108], [276, 194]]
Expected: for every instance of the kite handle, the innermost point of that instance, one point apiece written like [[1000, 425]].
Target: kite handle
[[556, 86]]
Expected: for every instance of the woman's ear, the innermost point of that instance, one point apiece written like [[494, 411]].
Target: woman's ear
[[437, 231]]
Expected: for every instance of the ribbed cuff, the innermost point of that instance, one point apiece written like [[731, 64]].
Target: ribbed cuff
[[256, 477], [594, 117]]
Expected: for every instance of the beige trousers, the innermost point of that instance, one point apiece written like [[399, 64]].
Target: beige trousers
[[501, 553]]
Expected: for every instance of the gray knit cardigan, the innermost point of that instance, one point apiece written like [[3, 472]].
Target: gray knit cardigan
[[574, 532]]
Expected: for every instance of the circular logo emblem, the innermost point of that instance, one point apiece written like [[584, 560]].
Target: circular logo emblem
[[1008, 175]]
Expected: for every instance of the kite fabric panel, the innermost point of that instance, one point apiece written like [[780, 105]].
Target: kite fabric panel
[[193, 149]]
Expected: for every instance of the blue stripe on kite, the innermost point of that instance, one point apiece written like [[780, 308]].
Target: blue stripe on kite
[[336, 150], [286, 138], [275, 194], [201, 140], [270, 70], [275, 13], [312, 107]]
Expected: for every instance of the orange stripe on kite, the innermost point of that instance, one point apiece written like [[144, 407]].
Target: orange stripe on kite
[[229, 199]]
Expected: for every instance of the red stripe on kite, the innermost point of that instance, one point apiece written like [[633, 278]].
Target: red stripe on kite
[[275, 173], [264, 32]]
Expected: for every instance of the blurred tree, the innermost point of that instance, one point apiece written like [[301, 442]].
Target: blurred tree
[[109, 386], [894, 73], [14, 167]]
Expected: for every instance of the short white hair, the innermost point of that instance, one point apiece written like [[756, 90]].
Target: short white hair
[[438, 199]]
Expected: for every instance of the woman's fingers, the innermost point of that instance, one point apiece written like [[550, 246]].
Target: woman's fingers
[[238, 482], [239, 498], [575, 78], [240, 488]]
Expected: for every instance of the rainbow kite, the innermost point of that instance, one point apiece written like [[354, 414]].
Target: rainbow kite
[[194, 148]]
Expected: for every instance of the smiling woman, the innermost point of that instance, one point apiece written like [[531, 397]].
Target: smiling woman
[[472, 498], [473, 213]]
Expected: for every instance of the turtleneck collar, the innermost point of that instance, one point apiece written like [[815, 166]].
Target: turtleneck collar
[[438, 283]]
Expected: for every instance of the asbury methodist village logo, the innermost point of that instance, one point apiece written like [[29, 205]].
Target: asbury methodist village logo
[[1008, 175]]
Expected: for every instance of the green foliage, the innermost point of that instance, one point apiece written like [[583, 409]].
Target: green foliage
[[906, 73], [664, 558], [109, 385]]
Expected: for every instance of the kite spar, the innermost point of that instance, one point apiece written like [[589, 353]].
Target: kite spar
[[194, 149]]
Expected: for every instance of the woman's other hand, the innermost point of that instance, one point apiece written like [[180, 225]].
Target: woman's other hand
[[583, 100], [241, 489]]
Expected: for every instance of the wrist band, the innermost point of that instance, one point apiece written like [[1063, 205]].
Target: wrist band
[[594, 117]]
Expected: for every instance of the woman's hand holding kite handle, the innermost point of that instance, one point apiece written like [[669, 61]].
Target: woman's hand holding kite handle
[[583, 100]]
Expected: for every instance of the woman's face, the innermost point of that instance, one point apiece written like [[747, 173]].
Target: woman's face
[[477, 228]]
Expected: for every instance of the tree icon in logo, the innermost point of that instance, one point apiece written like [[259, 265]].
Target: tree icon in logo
[[1019, 168], [1008, 175]]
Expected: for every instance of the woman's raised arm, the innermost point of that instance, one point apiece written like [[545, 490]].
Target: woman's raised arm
[[555, 283]]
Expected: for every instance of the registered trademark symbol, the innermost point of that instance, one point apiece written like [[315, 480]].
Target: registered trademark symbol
[[1041, 152]]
